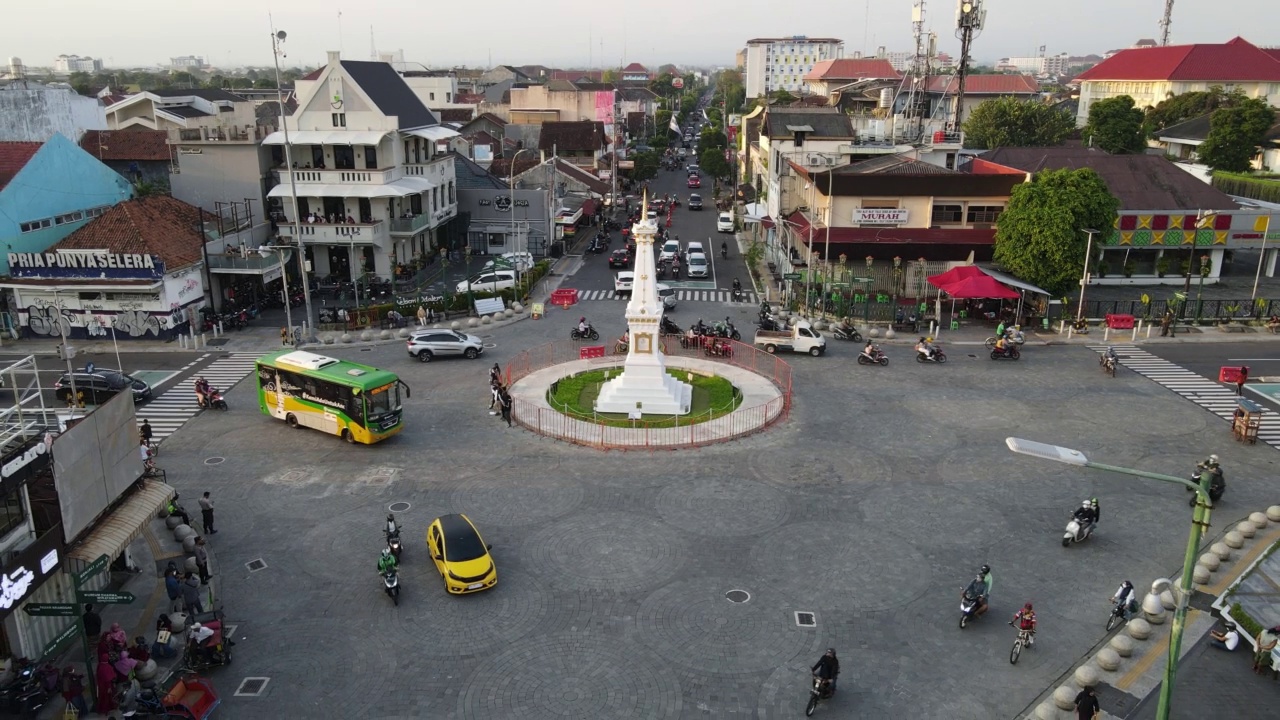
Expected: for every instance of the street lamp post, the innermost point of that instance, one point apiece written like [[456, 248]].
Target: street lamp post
[[1084, 275], [897, 279], [1204, 272], [1261, 259], [511, 191], [277, 41], [1199, 521], [265, 251]]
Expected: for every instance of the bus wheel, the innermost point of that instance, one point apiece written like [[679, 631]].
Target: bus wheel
[[346, 435], [291, 420]]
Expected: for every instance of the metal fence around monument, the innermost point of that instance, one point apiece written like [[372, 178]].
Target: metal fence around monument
[[744, 420]]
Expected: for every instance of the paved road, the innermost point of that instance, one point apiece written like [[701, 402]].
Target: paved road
[[869, 508]]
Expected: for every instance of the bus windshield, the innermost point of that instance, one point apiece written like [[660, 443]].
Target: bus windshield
[[382, 400]]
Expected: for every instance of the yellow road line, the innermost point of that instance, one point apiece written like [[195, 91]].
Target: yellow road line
[[1260, 546]]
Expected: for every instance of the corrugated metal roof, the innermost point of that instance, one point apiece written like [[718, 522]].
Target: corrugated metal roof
[[389, 92]]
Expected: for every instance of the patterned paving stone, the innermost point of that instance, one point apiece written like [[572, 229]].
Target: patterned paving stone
[[515, 504], [722, 507], [605, 551]]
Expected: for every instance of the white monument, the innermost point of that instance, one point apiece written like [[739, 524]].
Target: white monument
[[644, 384]]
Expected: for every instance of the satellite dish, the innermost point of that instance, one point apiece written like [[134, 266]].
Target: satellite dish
[[281, 35]]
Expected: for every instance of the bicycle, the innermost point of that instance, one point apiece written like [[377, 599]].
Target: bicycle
[[1024, 640], [1120, 612]]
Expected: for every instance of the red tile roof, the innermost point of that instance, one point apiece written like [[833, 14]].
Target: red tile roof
[[1237, 60], [575, 75], [314, 74], [985, 84], [852, 69], [155, 225], [131, 144], [13, 157], [635, 67], [1273, 52], [468, 98]]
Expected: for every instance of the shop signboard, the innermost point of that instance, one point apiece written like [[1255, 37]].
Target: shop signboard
[[86, 264], [29, 568]]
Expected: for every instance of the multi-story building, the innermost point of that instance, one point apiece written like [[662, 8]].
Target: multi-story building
[[635, 72], [942, 90], [781, 63], [1150, 75], [76, 63], [34, 112], [186, 62], [1040, 65], [863, 77], [375, 185], [563, 101]]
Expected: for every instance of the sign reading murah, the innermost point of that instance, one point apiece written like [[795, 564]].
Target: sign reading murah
[[90, 263], [880, 216]]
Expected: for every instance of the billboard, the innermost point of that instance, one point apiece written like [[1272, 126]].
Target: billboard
[[95, 461], [677, 82]]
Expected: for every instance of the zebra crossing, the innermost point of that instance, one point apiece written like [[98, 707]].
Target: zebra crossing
[[171, 409], [1212, 396], [717, 296]]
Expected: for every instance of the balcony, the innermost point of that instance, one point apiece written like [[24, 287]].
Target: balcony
[[410, 225], [245, 134], [252, 264], [303, 176], [942, 138], [340, 234]]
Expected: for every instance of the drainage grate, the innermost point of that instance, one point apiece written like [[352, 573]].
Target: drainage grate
[[252, 686], [806, 619], [256, 565], [215, 461], [737, 596], [398, 507], [217, 342]]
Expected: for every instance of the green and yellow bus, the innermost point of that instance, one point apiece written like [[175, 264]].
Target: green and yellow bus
[[357, 402]]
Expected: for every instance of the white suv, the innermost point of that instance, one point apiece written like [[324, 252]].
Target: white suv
[[429, 344], [622, 282], [488, 281], [670, 249], [724, 222]]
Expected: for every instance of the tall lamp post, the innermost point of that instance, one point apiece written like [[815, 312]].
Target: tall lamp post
[[1261, 259], [511, 191], [277, 50], [1199, 521], [1084, 274], [266, 251]]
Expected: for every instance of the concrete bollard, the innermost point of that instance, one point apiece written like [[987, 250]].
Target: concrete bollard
[[146, 671], [889, 334], [509, 313], [179, 620], [1259, 520], [328, 339], [1210, 561], [1108, 659], [1065, 697], [189, 543], [182, 532], [1273, 513], [404, 332], [190, 565], [1138, 629], [1201, 575], [1246, 528], [1221, 550], [486, 320], [172, 521], [1233, 540], [384, 335], [366, 335], [1047, 710], [518, 308], [1152, 609], [873, 332], [1122, 645], [1086, 676], [346, 337], [473, 322]]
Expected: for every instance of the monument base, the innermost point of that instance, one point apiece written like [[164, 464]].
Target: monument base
[[657, 393]]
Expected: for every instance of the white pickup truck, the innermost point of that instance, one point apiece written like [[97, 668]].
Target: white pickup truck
[[802, 338]]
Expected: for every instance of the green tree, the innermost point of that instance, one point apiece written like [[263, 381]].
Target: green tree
[[712, 162], [1235, 133], [781, 97], [609, 76], [1040, 235], [79, 82], [241, 82], [646, 166], [1115, 125], [711, 138], [264, 83], [1186, 106], [1010, 122], [218, 82]]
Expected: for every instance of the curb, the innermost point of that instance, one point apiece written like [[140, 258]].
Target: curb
[[1107, 660]]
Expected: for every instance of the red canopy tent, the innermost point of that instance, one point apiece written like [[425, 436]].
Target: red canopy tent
[[955, 274], [980, 286]]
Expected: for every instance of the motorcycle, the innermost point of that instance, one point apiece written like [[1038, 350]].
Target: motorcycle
[[29, 691], [1075, 533], [667, 327], [393, 542], [1120, 612], [719, 348], [938, 356], [213, 400], [737, 294], [820, 690], [847, 332], [1010, 352], [391, 585], [589, 333], [138, 701], [1108, 363], [968, 607], [876, 357], [1217, 484]]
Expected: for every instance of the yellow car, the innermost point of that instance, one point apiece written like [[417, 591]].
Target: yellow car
[[461, 556]]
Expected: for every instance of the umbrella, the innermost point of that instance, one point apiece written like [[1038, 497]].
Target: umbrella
[[979, 286]]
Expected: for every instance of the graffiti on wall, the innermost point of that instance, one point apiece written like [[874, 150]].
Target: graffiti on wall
[[48, 320], [137, 323]]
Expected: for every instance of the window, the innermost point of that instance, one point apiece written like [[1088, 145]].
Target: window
[[984, 214], [947, 214], [68, 218], [497, 240], [35, 225], [433, 96], [95, 212], [448, 97], [339, 119], [12, 511], [371, 157], [452, 199]]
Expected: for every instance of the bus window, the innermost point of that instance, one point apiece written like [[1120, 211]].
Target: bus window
[[382, 400]]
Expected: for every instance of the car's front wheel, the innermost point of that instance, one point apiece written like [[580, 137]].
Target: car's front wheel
[[471, 354], [424, 356]]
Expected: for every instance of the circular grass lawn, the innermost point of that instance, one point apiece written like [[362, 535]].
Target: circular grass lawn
[[576, 395]]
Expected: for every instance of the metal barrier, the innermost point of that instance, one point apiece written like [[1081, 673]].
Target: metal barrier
[[584, 431]]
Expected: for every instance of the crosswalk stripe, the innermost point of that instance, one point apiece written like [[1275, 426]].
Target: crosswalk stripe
[[170, 410], [1200, 390], [718, 296]]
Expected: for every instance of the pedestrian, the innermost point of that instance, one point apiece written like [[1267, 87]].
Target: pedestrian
[[73, 690], [1165, 322], [1241, 379], [145, 432], [173, 586], [1228, 641], [1265, 641], [202, 561], [284, 336], [163, 646], [206, 514], [422, 315], [495, 374], [505, 399], [495, 396], [1087, 706], [191, 595], [106, 675], [92, 622]]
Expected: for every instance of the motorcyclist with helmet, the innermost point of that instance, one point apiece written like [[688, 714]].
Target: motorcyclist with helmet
[[1087, 515], [925, 346], [1125, 594], [981, 587], [386, 562], [827, 668], [1026, 619], [583, 327]]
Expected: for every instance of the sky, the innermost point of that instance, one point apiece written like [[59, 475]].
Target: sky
[[586, 33]]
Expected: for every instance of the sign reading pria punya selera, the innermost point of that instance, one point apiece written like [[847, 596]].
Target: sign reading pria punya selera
[[91, 261]]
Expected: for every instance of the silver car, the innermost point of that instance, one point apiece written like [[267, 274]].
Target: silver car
[[698, 266], [426, 345]]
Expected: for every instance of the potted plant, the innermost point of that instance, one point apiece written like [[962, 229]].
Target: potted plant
[[1130, 267], [1103, 268], [1162, 266]]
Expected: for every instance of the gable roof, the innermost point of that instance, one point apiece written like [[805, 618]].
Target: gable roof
[[586, 177], [635, 68], [1236, 60], [1140, 182], [826, 122], [892, 165], [154, 225], [314, 74], [985, 85], [13, 157], [210, 94], [389, 92], [853, 69], [1273, 52], [471, 176], [576, 75], [636, 94], [585, 136], [131, 144]]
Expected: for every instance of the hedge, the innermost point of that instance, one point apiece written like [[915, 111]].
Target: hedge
[[1256, 187]]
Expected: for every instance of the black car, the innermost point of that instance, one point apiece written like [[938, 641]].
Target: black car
[[100, 386], [620, 259], [695, 202]]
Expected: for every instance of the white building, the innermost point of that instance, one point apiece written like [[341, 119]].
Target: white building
[[375, 184], [75, 63], [781, 63], [32, 112], [186, 62], [1038, 65]]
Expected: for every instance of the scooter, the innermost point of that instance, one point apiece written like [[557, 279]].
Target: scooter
[[968, 608], [1076, 534], [847, 332], [938, 356], [393, 543], [1010, 352], [213, 399], [589, 333], [1217, 485], [876, 357], [819, 691], [391, 583], [737, 294]]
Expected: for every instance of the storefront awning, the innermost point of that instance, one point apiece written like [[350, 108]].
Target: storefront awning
[[327, 137], [436, 133], [118, 527], [400, 188]]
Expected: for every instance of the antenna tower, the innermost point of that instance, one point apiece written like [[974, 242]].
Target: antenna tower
[[919, 65], [1166, 21], [373, 47], [969, 20]]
